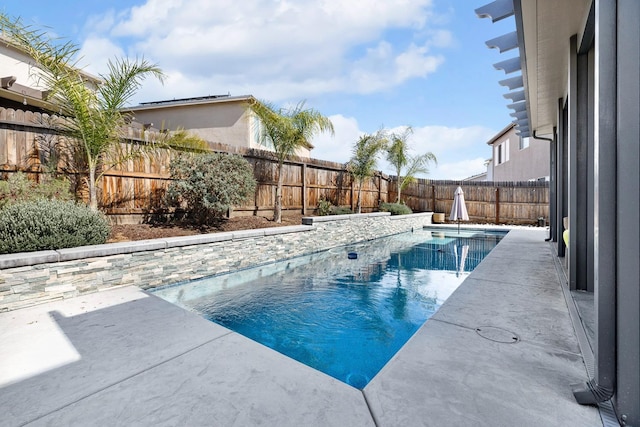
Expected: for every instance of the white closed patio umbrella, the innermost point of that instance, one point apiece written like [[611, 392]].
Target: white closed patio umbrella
[[459, 209]]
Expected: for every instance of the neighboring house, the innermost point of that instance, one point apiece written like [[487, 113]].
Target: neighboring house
[[489, 164], [579, 88], [19, 89], [517, 158], [221, 119], [479, 177]]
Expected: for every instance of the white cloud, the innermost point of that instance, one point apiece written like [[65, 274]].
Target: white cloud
[[97, 24], [415, 63], [282, 50], [279, 50], [337, 148], [448, 144], [460, 169], [97, 51], [445, 139], [442, 38]]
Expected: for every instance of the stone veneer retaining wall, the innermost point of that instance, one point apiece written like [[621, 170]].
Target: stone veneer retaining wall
[[32, 278]]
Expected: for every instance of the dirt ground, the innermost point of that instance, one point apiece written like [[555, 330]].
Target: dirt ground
[[129, 232]]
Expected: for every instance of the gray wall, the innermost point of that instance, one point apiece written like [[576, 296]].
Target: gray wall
[[523, 165], [32, 278]]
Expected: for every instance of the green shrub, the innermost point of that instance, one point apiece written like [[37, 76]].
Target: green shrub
[[207, 185], [395, 208], [324, 207], [49, 224], [19, 188], [340, 210]]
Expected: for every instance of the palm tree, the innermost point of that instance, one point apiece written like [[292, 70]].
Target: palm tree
[[398, 156], [286, 130], [92, 120], [365, 158]]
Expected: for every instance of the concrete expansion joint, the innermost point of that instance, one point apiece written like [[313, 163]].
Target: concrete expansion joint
[[376, 423], [503, 282]]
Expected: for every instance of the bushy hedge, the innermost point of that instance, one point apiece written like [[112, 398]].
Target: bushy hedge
[[324, 207], [19, 188], [395, 208], [49, 224], [340, 210], [207, 185]]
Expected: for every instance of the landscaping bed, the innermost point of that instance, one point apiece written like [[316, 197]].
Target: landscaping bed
[[130, 232]]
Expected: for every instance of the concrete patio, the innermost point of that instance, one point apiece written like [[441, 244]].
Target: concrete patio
[[501, 351]]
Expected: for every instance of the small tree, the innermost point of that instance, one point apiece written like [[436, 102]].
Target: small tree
[[287, 130], [93, 121], [398, 156], [207, 185], [363, 163]]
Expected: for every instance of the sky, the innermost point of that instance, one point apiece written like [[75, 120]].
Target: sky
[[365, 64]]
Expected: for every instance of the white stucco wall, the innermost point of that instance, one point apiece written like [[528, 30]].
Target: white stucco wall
[[16, 63]]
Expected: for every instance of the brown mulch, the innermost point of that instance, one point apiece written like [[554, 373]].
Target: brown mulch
[[129, 232]]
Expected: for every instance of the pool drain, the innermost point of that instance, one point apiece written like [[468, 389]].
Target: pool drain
[[495, 334]]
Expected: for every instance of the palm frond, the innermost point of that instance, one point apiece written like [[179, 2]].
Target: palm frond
[[365, 155], [288, 129], [406, 166], [123, 80], [91, 117]]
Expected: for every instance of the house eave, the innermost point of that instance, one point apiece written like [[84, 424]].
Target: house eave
[[502, 133], [188, 102]]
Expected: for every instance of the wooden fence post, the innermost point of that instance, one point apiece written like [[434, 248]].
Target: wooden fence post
[[498, 205], [351, 197], [304, 189], [433, 198]]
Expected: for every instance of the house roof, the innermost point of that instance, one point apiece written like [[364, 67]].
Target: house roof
[[501, 133], [476, 177], [543, 30], [18, 92], [185, 102], [6, 42]]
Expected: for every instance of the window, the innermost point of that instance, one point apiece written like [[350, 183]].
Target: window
[[524, 143], [257, 127], [501, 153]]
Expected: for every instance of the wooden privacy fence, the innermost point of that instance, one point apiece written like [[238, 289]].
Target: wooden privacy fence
[[137, 189], [134, 190], [486, 201], [305, 183]]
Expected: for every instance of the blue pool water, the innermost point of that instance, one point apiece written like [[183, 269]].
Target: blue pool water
[[343, 314]]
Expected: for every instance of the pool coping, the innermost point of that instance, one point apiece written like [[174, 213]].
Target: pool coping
[[527, 385], [23, 259]]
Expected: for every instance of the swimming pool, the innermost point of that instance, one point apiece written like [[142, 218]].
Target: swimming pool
[[345, 311]]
